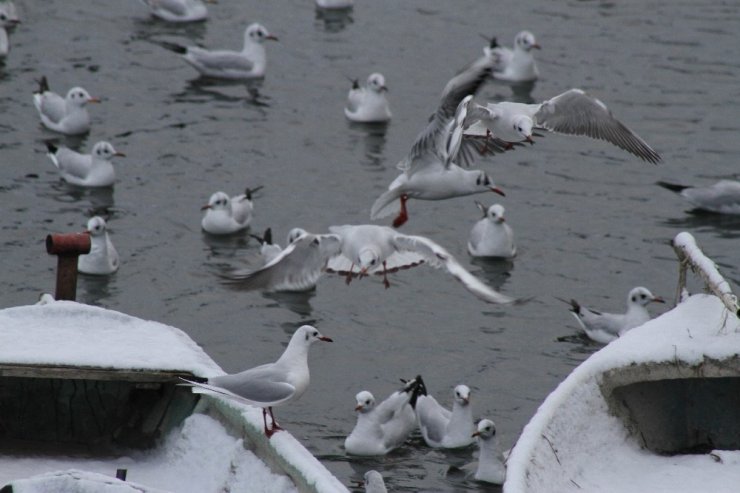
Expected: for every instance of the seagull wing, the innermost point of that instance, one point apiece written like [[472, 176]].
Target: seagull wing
[[52, 106], [354, 99], [219, 59], [73, 163], [577, 113], [433, 418], [261, 386], [436, 256]]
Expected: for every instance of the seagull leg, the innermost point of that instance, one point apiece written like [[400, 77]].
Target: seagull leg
[[275, 426], [348, 279], [403, 216], [385, 277]]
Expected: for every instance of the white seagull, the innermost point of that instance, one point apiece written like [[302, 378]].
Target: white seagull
[[268, 249], [103, 257], [517, 64], [491, 468], [178, 10], [491, 236], [8, 20], [226, 215], [334, 4], [442, 428], [272, 384], [66, 115], [358, 251], [249, 63], [85, 170], [383, 427], [723, 197], [373, 482], [606, 327], [430, 171], [573, 112], [368, 104]]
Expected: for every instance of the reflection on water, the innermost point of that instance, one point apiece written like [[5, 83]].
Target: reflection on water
[[100, 199], [494, 271], [296, 301], [373, 141], [94, 290], [334, 20], [723, 225]]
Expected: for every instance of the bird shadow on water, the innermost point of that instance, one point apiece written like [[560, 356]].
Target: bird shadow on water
[[726, 225], [494, 271], [373, 139], [298, 302], [95, 289], [334, 20]]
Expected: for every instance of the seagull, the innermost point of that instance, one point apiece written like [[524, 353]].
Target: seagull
[[374, 482], [383, 427], [8, 21], [723, 197], [45, 299], [606, 327], [85, 170], [226, 215], [358, 251], [103, 257], [250, 63], [66, 115], [431, 170], [442, 428], [491, 236], [368, 104], [491, 468], [268, 249], [4, 43], [178, 10], [514, 65], [334, 4], [573, 112], [272, 384]]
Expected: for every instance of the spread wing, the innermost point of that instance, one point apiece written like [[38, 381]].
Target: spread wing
[[576, 113], [436, 256]]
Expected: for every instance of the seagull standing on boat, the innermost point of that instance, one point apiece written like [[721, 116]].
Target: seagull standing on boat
[[368, 104], [573, 112], [272, 384], [249, 63], [103, 257], [383, 427], [85, 170], [517, 64], [442, 428], [723, 197], [359, 251], [178, 10], [491, 468], [66, 115], [226, 215], [491, 236], [606, 327]]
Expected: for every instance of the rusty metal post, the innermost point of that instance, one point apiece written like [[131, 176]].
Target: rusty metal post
[[67, 247]]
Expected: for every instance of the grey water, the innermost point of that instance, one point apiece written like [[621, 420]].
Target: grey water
[[589, 219]]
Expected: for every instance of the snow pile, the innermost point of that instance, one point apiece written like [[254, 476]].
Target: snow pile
[[573, 443], [79, 482]]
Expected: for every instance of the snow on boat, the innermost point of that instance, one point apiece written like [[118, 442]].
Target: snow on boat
[[656, 410], [85, 392]]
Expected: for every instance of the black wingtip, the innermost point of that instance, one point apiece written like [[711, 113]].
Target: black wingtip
[[418, 389], [249, 191], [179, 49], [43, 85], [673, 187], [574, 306], [51, 148], [493, 43], [268, 236]]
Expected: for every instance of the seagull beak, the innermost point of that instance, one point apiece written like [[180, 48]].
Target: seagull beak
[[466, 400], [502, 219], [358, 407], [207, 206], [537, 46], [475, 434], [383, 88], [498, 191], [658, 299], [326, 339], [272, 37], [528, 138], [119, 154], [93, 100]]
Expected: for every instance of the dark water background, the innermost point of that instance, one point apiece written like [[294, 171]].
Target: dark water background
[[589, 219]]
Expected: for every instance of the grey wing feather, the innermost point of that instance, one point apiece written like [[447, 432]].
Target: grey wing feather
[[220, 60], [354, 99], [53, 106], [174, 6], [261, 385], [74, 163], [576, 113], [433, 418]]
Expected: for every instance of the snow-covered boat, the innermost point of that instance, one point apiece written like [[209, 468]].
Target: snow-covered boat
[[86, 392], [656, 410]]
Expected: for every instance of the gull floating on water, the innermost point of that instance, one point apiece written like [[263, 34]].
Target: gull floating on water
[[178, 10], [66, 115], [103, 257], [85, 170], [358, 251], [368, 103], [226, 215], [272, 384], [606, 327], [383, 427], [573, 112], [517, 64], [442, 428], [334, 4], [491, 468], [491, 236], [373, 482], [249, 63], [723, 197], [8, 20]]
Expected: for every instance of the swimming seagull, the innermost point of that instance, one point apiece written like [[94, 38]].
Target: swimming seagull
[[491, 468], [573, 112], [178, 10], [268, 249], [373, 482], [442, 428], [606, 327], [491, 236], [368, 104], [85, 170], [431, 170], [225, 215], [383, 427], [517, 64], [8, 21], [249, 63], [272, 384], [66, 115], [358, 251], [103, 257], [723, 197]]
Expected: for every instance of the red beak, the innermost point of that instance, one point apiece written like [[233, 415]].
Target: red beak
[[658, 299], [93, 100], [119, 154], [326, 339], [272, 37], [207, 206], [498, 191]]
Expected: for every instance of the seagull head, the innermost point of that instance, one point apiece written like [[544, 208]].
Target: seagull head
[[523, 126], [462, 395], [365, 402], [486, 429], [96, 226], [308, 334], [77, 96], [258, 34], [496, 213], [376, 82], [367, 259], [480, 181], [642, 296], [218, 201], [295, 233], [105, 150], [526, 41]]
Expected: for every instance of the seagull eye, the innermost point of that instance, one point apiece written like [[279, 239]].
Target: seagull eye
[[642, 296], [315, 333], [634, 298], [2, 17]]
